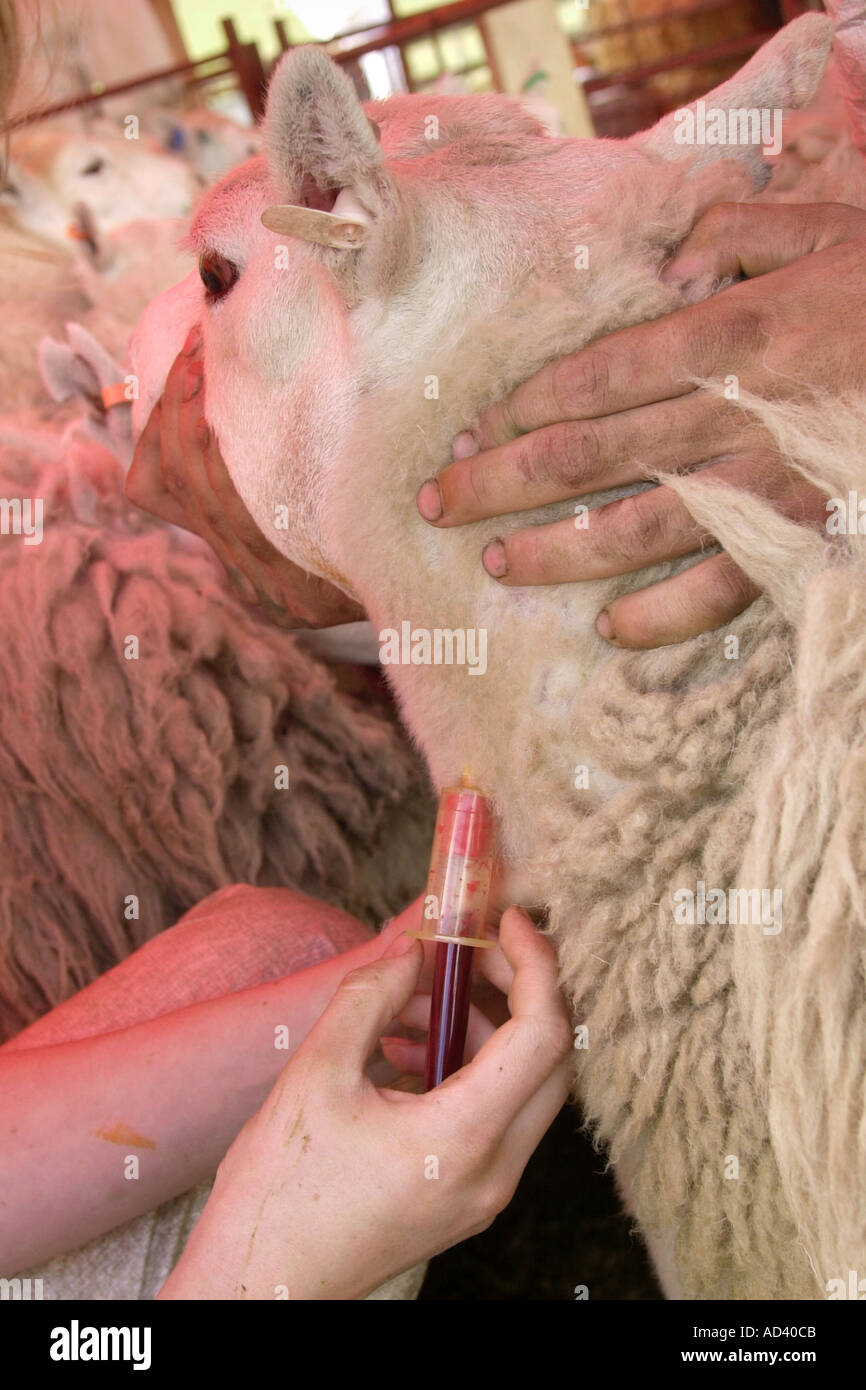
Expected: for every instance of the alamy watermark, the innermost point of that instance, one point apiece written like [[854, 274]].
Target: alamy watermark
[[22, 516], [718, 907], [77, 1343], [713, 125], [21, 1290], [852, 1287], [438, 646], [846, 516]]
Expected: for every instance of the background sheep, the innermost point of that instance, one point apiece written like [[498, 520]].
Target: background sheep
[[89, 227], [157, 775], [210, 142], [54, 173]]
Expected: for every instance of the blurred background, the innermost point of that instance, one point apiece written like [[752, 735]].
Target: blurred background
[[608, 67]]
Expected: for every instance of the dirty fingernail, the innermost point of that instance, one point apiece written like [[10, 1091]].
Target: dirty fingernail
[[604, 626], [494, 559], [429, 500], [193, 341], [464, 445], [678, 272]]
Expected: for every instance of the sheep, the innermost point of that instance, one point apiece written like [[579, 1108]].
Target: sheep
[[157, 774], [89, 226], [209, 141], [58, 181], [38, 294], [104, 289], [385, 294]]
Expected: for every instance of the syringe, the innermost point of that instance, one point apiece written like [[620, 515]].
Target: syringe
[[455, 907]]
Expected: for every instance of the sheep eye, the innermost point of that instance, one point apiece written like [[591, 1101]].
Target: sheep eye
[[217, 274], [95, 166]]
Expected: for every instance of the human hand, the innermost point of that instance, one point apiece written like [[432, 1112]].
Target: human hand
[[178, 474], [328, 1191], [626, 405]]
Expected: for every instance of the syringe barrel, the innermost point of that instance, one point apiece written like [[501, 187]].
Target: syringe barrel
[[458, 890], [461, 865]]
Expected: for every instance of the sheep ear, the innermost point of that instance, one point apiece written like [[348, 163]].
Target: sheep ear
[[323, 153], [784, 74], [81, 369]]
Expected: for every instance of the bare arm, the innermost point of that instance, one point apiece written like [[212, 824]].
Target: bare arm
[[174, 1091]]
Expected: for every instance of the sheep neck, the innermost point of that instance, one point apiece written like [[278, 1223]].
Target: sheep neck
[[516, 723]]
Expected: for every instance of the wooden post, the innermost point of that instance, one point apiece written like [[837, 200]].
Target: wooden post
[[164, 13], [490, 55], [248, 65]]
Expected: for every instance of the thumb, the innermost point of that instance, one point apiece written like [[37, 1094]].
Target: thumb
[[365, 1002], [754, 238]]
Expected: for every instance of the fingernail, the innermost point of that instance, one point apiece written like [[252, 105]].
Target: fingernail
[[194, 379], [464, 445], [202, 433], [400, 945], [193, 341], [429, 500], [604, 626], [521, 912], [494, 559], [678, 272]]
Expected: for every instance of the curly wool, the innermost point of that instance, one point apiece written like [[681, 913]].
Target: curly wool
[[711, 1043], [155, 776]]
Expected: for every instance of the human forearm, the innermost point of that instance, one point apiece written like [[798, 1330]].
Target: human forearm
[[173, 1092]]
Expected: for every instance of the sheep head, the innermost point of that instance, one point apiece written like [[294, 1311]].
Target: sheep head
[[424, 239]]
